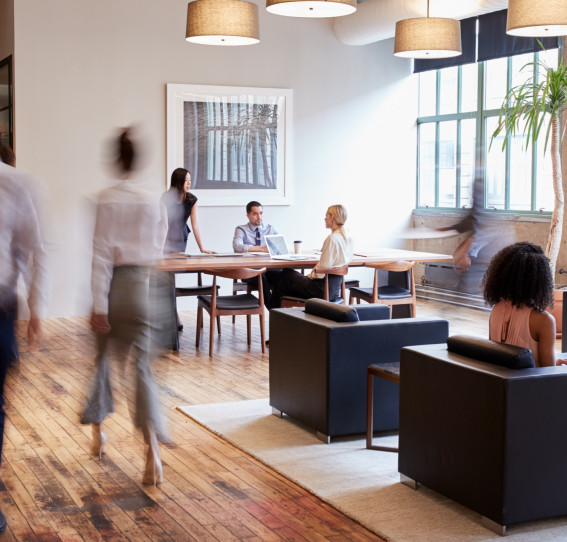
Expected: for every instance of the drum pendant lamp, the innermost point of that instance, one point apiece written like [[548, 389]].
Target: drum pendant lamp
[[311, 8], [427, 37], [540, 18], [222, 22]]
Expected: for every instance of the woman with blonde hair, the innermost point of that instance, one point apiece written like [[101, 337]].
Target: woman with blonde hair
[[336, 252]]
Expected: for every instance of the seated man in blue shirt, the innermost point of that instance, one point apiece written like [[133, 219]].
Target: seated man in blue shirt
[[250, 237]]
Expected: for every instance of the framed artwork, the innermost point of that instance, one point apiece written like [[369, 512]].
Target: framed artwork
[[235, 141]]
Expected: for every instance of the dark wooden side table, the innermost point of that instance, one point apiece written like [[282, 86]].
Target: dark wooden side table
[[391, 373]]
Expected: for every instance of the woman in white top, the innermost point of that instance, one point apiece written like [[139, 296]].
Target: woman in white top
[[126, 242], [336, 252]]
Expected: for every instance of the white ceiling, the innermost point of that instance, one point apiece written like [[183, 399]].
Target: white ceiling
[[375, 20]]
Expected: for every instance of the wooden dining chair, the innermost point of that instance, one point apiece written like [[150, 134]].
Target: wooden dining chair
[[194, 290], [223, 305], [290, 301], [239, 286], [389, 294]]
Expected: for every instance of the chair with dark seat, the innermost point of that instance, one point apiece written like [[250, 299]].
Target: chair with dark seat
[[353, 283], [195, 290], [239, 286], [290, 301], [389, 294], [246, 304]]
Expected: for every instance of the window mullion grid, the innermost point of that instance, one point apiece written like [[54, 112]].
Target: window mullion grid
[[437, 111], [437, 134], [534, 176], [508, 146], [458, 142], [458, 166], [535, 147], [417, 167], [480, 154]]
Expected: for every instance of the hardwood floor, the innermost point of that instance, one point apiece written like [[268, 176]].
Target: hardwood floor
[[52, 489]]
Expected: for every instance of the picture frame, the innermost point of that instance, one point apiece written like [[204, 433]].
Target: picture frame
[[235, 141]]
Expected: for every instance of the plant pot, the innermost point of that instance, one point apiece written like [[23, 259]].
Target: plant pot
[[557, 311]]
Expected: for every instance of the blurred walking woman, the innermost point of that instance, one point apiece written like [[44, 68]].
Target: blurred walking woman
[[336, 252], [180, 205], [126, 242]]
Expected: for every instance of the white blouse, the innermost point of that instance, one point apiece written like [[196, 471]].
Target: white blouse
[[126, 233], [336, 252]]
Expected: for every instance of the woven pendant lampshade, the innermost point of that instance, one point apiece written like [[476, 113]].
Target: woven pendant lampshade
[[537, 18], [427, 37], [222, 22], [311, 8]]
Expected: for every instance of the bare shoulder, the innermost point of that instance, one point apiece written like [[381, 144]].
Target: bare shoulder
[[541, 322], [542, 317]]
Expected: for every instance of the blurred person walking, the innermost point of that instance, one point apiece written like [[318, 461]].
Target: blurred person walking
[[126, 242], [21, 253]]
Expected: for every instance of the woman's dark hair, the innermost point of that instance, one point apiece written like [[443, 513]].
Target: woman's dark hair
[[178, 180], [520, 273], [126, 155]]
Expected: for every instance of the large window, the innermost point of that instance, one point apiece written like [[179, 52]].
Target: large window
[[458, 112]]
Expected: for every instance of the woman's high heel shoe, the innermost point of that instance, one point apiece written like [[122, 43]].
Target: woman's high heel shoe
[[98, 444], [154, 472]]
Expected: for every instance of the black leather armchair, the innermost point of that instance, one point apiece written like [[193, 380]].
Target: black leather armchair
[[318, 364], [490, 437]]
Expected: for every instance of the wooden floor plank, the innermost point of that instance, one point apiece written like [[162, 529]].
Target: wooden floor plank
[[52, 489]]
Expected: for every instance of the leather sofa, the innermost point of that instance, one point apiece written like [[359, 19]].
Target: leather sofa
[[319, 357], [482, 426]]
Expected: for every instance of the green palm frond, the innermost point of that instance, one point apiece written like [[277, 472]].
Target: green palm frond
[[528, 106]]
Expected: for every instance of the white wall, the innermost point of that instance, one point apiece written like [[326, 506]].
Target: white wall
[[85, 68]]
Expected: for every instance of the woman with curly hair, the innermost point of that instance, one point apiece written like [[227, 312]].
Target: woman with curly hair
[[519, 285]]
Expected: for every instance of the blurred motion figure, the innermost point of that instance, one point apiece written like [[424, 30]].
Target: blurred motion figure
[[485, 236], [126, 242], [21, 253]]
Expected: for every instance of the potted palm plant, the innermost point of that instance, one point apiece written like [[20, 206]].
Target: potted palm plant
[[527, 108], [534, 108]]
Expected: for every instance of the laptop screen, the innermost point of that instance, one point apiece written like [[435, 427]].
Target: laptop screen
[[276, 245]]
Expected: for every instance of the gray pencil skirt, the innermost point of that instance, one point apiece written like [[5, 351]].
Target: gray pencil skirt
[[129, 318]]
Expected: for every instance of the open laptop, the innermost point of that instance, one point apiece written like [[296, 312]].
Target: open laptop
[[277, 247]]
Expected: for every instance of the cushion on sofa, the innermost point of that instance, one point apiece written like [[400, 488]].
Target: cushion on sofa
[[331, 311], [504, 355], [373, 311]]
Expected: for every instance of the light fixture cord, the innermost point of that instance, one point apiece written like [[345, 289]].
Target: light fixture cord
[[428, 9]]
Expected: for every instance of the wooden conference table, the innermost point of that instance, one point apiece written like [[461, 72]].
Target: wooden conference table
[[186, 263], [179, 263]]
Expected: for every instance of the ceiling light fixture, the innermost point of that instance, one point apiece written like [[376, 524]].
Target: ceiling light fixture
[[222, 22], [427, 37], [537, 19], [311, 8]]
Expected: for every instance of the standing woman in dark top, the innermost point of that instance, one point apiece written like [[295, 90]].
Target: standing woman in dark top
[[180, 205]]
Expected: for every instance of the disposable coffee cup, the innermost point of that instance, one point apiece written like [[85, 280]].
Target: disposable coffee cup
[[297, 247]]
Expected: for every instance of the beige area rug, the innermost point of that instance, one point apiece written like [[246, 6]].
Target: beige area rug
[[363, 484]]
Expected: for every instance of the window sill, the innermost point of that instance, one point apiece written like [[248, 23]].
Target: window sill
[[504, 216]]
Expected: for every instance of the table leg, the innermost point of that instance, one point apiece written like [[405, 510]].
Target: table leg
[[369, 409], [370, 415]]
